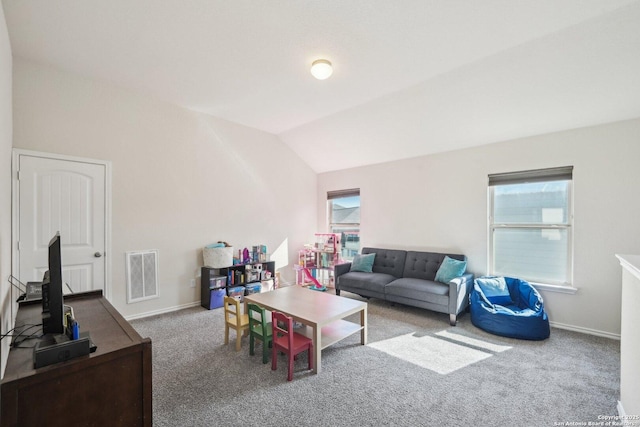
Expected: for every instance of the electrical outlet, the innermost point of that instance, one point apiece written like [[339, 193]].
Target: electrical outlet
[[193, 283]]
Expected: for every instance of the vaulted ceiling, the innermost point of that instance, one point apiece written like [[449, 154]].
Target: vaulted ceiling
[[411, 77]]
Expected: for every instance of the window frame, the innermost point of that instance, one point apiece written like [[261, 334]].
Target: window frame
[[522, 177]]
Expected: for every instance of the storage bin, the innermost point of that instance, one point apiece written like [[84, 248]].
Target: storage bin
[[236, 292], [218, 257], [217, 298], [217, 282], [253, 288]]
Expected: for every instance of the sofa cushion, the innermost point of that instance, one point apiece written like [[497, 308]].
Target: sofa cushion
[[420, 290], [355, 280], [450, 269], [363, 263], [425, 265], [387, 261]]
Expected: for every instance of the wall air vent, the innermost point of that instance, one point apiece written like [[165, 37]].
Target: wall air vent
[[142, 275]]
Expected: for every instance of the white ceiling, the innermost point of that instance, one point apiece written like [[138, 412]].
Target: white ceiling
[[411, 77]]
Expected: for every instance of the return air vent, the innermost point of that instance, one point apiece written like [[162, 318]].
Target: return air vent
[[142, 275]]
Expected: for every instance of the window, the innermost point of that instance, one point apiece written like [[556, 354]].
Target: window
[[343, 213], [530, 225]]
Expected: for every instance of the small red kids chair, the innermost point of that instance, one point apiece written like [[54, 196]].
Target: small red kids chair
[[288, 341]]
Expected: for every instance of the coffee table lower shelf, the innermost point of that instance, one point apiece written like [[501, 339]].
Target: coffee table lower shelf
[[333, 332]]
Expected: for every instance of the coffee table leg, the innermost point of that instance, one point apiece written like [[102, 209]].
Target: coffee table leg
[[363, 323], [317, 343]]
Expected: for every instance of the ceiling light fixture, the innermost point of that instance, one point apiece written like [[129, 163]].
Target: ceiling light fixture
[[321, 69]]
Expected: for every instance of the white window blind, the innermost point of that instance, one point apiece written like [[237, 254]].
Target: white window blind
[[530, 225]]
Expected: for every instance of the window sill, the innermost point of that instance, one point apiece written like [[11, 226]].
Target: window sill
[[555, 288]]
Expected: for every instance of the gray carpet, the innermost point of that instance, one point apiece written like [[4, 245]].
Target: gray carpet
[[416, 371]]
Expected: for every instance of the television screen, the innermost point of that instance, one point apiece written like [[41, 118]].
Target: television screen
[[52, 299]]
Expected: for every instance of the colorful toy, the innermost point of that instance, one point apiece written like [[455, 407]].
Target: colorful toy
[[317, 286]]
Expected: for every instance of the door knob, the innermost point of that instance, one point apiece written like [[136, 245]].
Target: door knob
[[97, 255]]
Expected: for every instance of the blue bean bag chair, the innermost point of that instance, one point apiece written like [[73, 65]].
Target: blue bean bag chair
[[508, 307]]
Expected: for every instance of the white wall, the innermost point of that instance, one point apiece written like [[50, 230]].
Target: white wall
[[5, 188], [439, 202], [181, 179]]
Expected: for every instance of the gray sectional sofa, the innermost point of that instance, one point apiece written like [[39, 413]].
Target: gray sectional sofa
[[407, 277]]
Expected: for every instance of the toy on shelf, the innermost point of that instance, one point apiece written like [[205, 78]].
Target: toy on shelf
[[257, 253]]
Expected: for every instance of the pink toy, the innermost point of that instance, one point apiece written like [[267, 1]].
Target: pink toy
[[317, 285]]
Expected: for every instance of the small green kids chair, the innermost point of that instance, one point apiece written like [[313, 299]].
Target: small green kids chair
[[260, 329]]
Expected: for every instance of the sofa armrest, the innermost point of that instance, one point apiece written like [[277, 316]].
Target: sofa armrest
[[459, 291], [340, 269]]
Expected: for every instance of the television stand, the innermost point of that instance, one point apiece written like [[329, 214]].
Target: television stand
[[111, 386]]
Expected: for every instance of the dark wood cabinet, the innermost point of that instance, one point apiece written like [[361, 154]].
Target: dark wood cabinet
[[110, 387]]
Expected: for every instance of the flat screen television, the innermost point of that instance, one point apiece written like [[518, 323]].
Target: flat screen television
[[52, 298]]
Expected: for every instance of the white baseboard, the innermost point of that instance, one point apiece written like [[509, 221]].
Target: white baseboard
[[626, 420], [585, 330], [162, 311]]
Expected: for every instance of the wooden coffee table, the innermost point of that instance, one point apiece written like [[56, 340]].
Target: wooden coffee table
[[321, 312]]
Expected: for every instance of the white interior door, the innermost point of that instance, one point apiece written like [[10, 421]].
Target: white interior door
[[70, 197]]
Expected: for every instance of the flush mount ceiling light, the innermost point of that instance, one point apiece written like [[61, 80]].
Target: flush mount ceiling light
[[321, 69]]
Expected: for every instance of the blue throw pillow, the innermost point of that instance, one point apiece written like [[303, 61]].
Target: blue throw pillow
[[363, 263], [450, 269], [495, 289]]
